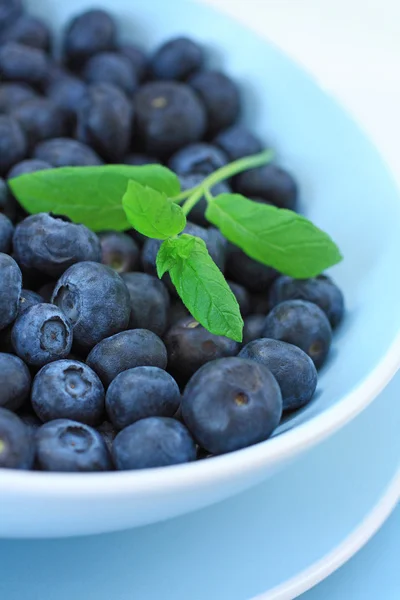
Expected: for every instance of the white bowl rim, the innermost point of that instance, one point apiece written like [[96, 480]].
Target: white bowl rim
[[266, 454]]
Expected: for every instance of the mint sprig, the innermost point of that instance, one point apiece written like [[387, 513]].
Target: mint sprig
[[225, 172], [151, 212], [89, 195], [279, 238], [147, 198], [201, 285]]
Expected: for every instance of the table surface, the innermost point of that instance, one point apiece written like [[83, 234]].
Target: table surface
[[352, 48]]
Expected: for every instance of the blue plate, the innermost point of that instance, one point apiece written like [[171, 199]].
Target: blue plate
[[272, 542], [374, 573]]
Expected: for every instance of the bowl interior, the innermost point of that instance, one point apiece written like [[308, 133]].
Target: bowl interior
[[345, 187]]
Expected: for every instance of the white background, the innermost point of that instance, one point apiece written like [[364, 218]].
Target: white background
[[352, 47]]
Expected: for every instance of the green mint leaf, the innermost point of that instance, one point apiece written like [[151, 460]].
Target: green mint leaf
[[275, 237], [201, 285], [151, 212], [89, 195]]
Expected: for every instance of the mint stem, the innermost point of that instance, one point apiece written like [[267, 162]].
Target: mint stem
[[243, 164], [208, 195], [184, 195]]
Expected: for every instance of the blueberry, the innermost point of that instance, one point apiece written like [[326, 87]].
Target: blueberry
[[108, 433], [260, 304], [253, 328], [221, 98], [30, 420], [55, 71], [237, 142], [119, 251], [41, 334], [35, 281], [105, 121], [138, 59], [68, 389], [111, 67], [198, 212], [28, 30], [13, 143], [6, 234], [292, 368], [177, 312], [303, 324], [217, 245], [126, 350], [46, 291], [67, 92], [87, 34], [15, 382], [153, 442], [321, 290], [192, 180], [138, 159], [253, 275], [30, 165], [40, 120], [10, 11], [16, 443], [169, 116], [24, 64], [10, 290], [95, 300], [149, 302], [197, 158], [8, 204], [14, 94], [5, 340], [28, 299], [230, 404], [51, 244], [65, 152], [271, 183], [177, 59], [67, 446], [139, 393], [139, 238], [242, 296], [202, 454], [189, 346]]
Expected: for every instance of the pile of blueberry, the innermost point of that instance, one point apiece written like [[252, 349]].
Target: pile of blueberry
[[101, 366]]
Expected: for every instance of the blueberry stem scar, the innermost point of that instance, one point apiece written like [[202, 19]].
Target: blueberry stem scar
[[243, 164]]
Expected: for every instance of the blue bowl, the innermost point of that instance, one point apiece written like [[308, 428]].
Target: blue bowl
[[345, 189]]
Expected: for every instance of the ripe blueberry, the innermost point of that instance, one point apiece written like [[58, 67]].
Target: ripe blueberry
[[230, 404], [153, 442], [68, 389]]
